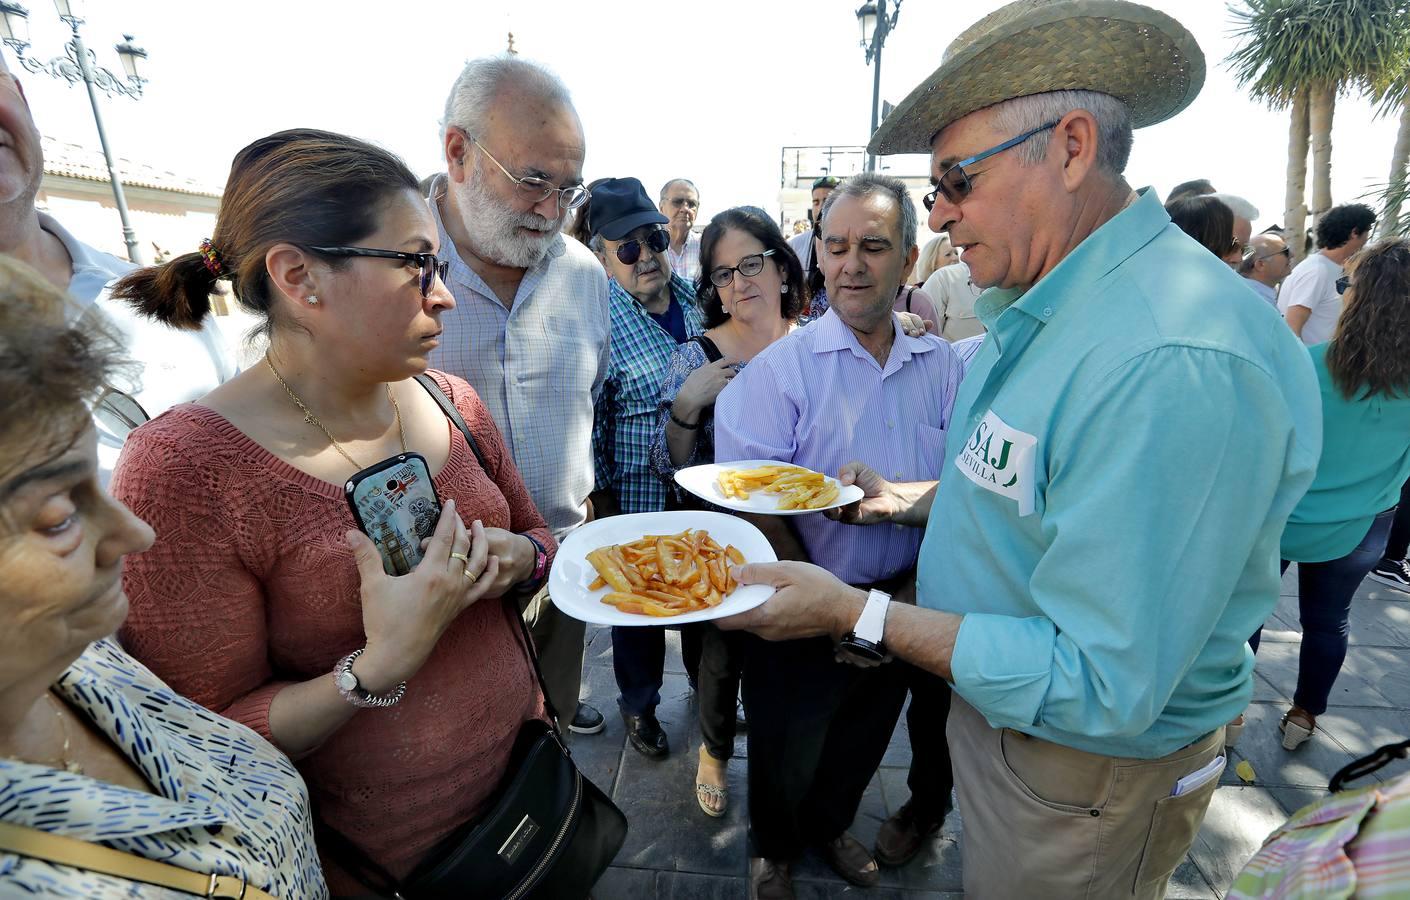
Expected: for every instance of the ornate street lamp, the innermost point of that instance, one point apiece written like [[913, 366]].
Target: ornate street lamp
[[80, 64], [876, 25]]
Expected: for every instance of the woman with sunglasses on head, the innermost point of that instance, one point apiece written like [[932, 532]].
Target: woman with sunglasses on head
[[1339, 530], [97, 755], [398, 698], [750, 290]]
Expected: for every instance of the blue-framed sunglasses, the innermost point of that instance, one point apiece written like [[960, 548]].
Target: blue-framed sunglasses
[[955, 183]]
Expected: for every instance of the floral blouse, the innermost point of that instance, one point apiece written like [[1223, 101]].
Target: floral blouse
[[224, 800], [686, 359]]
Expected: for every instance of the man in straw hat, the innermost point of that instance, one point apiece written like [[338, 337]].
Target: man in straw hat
[[1124, 452]]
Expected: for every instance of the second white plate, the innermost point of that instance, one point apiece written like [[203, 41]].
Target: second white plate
[[702, 481]]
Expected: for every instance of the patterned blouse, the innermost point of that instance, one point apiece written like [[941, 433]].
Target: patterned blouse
[[224, 800], [687, 358]]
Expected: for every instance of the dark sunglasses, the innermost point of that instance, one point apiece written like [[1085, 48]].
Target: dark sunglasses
[[1343, 283], [1286, 251], [431, 268], [955, 182], [749, 266], [630, 251]]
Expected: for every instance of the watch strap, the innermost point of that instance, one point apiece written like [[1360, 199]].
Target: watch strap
[[871, 625], [355, 694]]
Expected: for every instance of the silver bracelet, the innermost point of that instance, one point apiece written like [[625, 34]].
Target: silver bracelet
[[352, 692]]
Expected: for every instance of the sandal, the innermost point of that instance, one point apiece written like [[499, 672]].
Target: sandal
[[1297, 727], [705, 792]]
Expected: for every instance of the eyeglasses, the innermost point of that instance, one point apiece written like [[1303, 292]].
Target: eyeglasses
[[955, 182], [431, 268], [749, 266], [630, 251], [537, 190], [678, 202]]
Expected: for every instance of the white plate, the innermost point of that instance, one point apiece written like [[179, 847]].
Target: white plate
[[702, 481], [572, 573]]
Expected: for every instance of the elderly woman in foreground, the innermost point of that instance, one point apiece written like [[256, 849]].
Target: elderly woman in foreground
[[94, 749]]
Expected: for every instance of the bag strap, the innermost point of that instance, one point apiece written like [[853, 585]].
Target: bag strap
[[712, 351], [447, 407], [458, 420], [90, 857]]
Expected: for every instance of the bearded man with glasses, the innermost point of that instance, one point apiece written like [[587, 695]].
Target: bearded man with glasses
[[653, 312], [1127, 446], [530, 328]]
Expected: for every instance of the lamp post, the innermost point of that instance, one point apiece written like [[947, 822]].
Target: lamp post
[[876, 24], [79, 64]]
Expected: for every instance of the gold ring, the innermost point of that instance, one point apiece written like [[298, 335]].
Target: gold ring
[[470, 575], [462, 557]]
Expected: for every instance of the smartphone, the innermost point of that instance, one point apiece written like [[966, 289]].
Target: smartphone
[[396, 506]]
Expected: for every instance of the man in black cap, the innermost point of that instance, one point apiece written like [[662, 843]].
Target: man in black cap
[[653, 311]]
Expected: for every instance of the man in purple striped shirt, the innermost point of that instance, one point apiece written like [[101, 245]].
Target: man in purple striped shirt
[[849, 386]]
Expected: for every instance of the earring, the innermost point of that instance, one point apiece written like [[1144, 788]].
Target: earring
[[783, 290], [312, 300]]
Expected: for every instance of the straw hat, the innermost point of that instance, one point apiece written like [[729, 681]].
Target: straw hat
[[1137, 54]]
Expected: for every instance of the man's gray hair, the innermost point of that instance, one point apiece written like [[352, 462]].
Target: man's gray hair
[[868, 183], [482, 80], [666, 188], [1022, 114], [1241, 207]]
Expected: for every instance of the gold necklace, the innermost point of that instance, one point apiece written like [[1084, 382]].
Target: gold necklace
[[311, 419], [70, 766]]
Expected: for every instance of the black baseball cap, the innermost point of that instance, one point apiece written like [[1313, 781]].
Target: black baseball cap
[[619, 207]]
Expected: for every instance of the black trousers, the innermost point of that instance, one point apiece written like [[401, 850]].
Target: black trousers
[[930, 778], [721, 664], [1399, 541], [817, 732]]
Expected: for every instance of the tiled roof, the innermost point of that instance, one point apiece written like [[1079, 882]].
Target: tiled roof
[[77, 161]]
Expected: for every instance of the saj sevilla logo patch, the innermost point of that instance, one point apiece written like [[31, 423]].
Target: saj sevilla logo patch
[[1000, 459]]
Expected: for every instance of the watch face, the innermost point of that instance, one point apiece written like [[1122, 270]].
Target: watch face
[[862, 648], [347, 681]]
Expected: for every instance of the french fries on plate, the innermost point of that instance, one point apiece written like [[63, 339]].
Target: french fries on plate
[[665, 574], [796, 487]]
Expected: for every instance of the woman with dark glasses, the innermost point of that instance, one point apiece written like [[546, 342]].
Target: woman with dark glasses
[[750, 290], [398, 698]]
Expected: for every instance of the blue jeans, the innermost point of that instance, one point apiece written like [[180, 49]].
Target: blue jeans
[[1324, 592]]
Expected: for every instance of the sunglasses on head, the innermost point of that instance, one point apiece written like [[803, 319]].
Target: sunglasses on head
[[431, 267], [749, 266], [630, 251], [955, 182]]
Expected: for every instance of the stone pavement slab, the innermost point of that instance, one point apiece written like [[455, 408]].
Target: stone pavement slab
[[675, 852]]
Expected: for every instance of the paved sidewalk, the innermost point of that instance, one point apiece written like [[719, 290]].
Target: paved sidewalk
[[675, 852]]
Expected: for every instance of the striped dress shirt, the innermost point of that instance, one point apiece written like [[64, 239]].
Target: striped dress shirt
[[626, 410], [816, 398], [538, 365], [687, 262]]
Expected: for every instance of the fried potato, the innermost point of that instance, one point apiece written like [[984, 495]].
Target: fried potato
[[796, 487], [665, 574]]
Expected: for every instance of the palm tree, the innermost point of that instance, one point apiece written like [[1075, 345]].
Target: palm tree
[[1392, 96], [1300, 54]]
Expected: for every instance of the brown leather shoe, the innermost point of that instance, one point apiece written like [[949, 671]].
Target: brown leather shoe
[[902, 836], [851, 860], [769, 879]]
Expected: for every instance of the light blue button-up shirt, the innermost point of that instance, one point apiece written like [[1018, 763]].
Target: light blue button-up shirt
[[1126, 448]]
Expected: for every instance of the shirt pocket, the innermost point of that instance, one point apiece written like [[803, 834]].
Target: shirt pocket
[[930, 451]]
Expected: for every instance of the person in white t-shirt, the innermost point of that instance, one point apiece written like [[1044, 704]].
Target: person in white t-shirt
[[1309, 299], [954, 294], [172, 366]]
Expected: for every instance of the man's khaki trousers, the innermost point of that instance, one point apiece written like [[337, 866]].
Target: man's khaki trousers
[[559, 641], [1044, 820]]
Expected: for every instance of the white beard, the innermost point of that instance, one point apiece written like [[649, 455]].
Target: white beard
[[492, 227]]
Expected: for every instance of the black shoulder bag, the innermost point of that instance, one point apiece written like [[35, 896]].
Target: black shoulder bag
[[548, 832]]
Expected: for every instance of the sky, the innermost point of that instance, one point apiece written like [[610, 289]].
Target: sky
[[711, 90]]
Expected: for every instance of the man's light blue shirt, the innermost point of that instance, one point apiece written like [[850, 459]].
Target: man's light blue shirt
[[1126, 448]]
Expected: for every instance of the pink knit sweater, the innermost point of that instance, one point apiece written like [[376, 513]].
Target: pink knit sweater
[[250, 587]]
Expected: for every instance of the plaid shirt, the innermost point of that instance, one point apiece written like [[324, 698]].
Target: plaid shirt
[[626, 412]]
